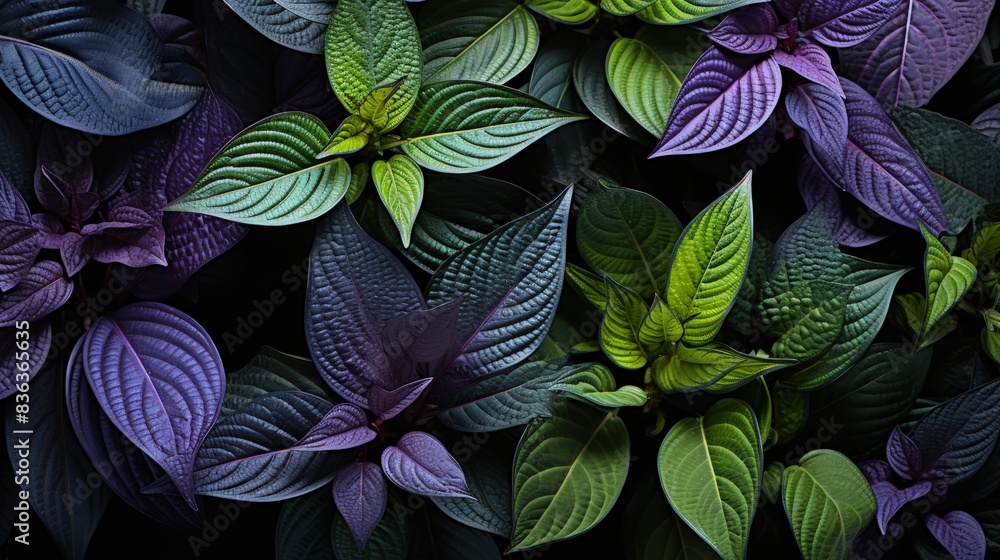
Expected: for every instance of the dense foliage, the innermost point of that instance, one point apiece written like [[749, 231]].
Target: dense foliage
[[633, 278]]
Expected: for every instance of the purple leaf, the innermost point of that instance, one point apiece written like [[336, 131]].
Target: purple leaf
[[822, 115], [360, 493], [130, 236], [159, 377], [179, 33], [812, 63], [121, 464], [33, 344], [851, 223], [959, 533], [789, 8], [387, 404], [988, 122], [43, 290], [723, 100], [843, 23], [12, 204], [748, 31], [903, 455], [18, 249], [419, 463], [510, 288], [919, 48], [355, 287], [882, 170], [421, 336], [876, 471], [890, 499], [344, 427], [73, 202]]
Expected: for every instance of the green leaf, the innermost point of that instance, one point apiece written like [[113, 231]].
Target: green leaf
[[488, 479], [710, 469], [572, 12], [400, 185], [709, 263], [828, 502], [369, 44], [771, 483], [268, 175], [552, 74], [947, 279], [873, 396], [642, 82], [359, 179], [352, 135], [912, 306], [714, 367], [483, 40], [807, 319], [656, 532], [591, 82], [597, 386], [791, 410], [671, 12], [568, 472], [629, 236], [387, 541], [659, 326], [624, 7], [620, 328], [375, 107], [270, 371], [991, 343], [985, 246], [588, 285], [679, 47], [462, 127], [758, 396], [303, 530]]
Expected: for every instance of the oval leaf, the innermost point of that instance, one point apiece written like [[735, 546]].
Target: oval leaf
[[642, 82], [419, 463], [400, 185], [360, 493]]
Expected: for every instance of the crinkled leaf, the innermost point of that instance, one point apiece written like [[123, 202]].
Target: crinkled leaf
[[421, 464], [748, 31], [351, 136], [660, 325], [400, 185], [624, 7], [619, 331], [278, 22], [43, 290], [791, 412], [360, 493], [587, 284], [823, 117], [670, 12], [642, 82], [806, 320], [423, 336], [597, 386], [890, 499], [959, 533], [572, 12], [343, 427], [489, 482], [839, 23], [32, 345], [270, 371], [714, 367], [849, 221], [18, 250], [903, 455]]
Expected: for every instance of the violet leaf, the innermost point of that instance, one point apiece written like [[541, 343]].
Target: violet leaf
[[130, 236], [344, 427], [12, 204], [159, 377], [959, 533], [32, 344], [724, 99], [64, 178], [988, 122], [822, 115], [355, 287], [919, 48], [903, 455], [850, 222], [876, 470], [842, 23], [252, 454], [421, 336], [748, 31], [43, 290], [891, 499], [19, 248], [510, 283], [419, 463], [489, 481], [812, 63], [387, 404], [360, 493]]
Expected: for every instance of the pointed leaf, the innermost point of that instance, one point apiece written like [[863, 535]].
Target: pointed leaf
[[400, 185], [360, 493], [812, 63], [891, 499], [483, 40], [552, 74], [619, 332], [267, 175], [489, 483], [277, 22], [748, 31], [419, 463], [624, 7], [670, 12], [421, 336], [947, 278], [587, 284], [660, 325], [388, 404], [572, 12], [849, 221], [463, 127], [43, 290], [823, 117], [568, 473], [903, 455], [591, 83], [388, 540], [828, 502], [642, 82], [597, 386], [713, 367], [959, 533], [375, 106], [369, 44], [710, 469], [351, 136], [343, 427], [843, 23]]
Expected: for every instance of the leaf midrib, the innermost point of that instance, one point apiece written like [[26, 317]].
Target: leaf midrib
[[476, 41]]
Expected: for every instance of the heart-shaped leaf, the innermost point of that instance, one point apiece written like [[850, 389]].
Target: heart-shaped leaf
[[159, 378], [419, 463], [372, 43], [947, 279], [568, 472], [360, 493], [710, 470], [463, 127], [828, 502], [276, 21], [670, 12], [388, 540], [487, 41], [400, 185], [642, 82], [489, 483], [268, 175]]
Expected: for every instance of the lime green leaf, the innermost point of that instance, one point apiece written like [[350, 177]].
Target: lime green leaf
[[369, 44], [771, 484], [659, 326], [710, 469], [268, 175], [597, 386], [400, 184], [589, 285], [679, 47], [572, 12], [483, 40], [351, 136], [807, 319], [642, 82], [620, 328], [568, 472], [828, 502], [912, 306], [670, 12], [591, 82], [462, 127], [629, 236], [791, 410], [359, 178], [991, 343], [986, 245], [624, 7], [947, 280], [714, 367], [709, 263], [375, 107]]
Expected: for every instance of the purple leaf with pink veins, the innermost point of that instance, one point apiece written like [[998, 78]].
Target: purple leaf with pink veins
[[387, 404], [748, 31], [822, 115], [724, 99], [812, 63], [843, 23], [419, 463], [361, 493], [344, 427]]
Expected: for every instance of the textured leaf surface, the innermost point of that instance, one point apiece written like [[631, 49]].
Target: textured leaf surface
[[43, 290], [710, 469], [713, 367], [489, 482], [959, 533], [596, 385], [400, 185], [748, 31], [619, 331], [642, 82], [947, 279], [843, 23], [304, 528], [591, 83], [568, 473], [660, 325], [360, 493], [624, 7], [32, 346], [419, 463], [276, 21], [488, 41], [552, 74], [387, 541], [462, 127], [572, 12], [812, 63], [828, 502], [672, 12], [806, 320], [268, 175]]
